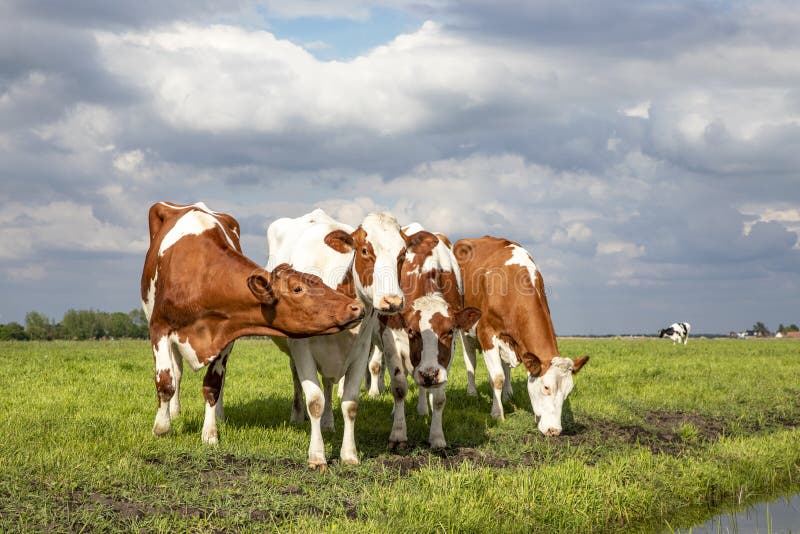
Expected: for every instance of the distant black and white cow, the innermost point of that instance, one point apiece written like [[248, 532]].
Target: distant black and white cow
[[677, 332]]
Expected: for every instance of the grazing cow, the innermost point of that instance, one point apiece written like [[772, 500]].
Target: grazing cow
[[503, 282], [419, 340], [363, 262], [200, 293], [677, 332]]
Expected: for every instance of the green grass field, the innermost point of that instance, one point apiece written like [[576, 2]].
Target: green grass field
[[656, 437]]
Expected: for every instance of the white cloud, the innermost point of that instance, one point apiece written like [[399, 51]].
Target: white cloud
[[61, 225]]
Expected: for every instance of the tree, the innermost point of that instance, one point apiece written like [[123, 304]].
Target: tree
[[760, 329], [791, 328], [37, 326], [12, 331]]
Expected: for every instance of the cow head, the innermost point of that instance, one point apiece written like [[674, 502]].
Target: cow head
[[300, 304], [379, 246], [549, 391], [430, 324]]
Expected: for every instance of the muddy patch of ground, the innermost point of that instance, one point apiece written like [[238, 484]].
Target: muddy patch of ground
[[449, 458], [132, 510]]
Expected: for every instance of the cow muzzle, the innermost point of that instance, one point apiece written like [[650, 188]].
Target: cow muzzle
[[389, 304], [352, 313], [431, 376]]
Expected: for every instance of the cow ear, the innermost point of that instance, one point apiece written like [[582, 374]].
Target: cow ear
[[340, 241], [577, 363], [466, 318], [260, 284], [422, 242]]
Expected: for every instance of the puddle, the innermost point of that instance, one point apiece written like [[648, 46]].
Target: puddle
[[776, 517]]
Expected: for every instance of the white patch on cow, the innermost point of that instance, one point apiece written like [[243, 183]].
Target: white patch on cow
[[194, 222], [520, 256], [507, 352], [186, 350], [163, 362], [300, 242], [149, 302], [548, 393], [428, 306], [383, 233]]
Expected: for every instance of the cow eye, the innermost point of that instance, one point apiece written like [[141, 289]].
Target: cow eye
[[364, 251], [410, 331], [297, 289]]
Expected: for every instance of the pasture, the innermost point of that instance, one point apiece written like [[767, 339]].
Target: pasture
[[656, 437]]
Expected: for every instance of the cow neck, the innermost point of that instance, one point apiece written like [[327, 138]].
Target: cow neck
[[237, 313]]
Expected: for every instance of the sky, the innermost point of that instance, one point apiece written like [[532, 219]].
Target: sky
[[646, 153]]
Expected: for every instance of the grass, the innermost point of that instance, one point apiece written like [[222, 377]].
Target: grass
[[656, 437]]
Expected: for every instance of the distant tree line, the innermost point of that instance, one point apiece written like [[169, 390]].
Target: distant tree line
[[761, 330], [79, 324]]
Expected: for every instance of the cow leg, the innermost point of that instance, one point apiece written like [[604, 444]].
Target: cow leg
[[398, 382], [315, 403], [298, 410], [422, 401], [220, 406], [212, 388], [436, 436], [165, 384], [497, 377], [508, 391], [469, 363], [340, 388], [177, 369], [327, 414], [375, 377]]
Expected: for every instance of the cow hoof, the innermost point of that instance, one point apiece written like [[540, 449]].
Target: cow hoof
[[318, 467], [350, 460], [210, 438], [472, 392], [398, 445], [507, 396], [161, 427], [438, 443], [498, 414], [374, 393], [174, 412]]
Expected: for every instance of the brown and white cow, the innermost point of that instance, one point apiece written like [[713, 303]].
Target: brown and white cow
[[420, 339], [362, 262], [501, 279], [200, 293]]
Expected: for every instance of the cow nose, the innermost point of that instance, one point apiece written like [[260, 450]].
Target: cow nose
[[357, 308], [428, 376], [390, 303], [553, 432]]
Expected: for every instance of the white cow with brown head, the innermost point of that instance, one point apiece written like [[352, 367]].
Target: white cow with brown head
[[362, 262]]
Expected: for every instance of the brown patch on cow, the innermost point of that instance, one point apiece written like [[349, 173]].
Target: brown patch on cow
[[346, 286], [315, 407], [210, 395], [497, 381], [375, 367], [511, 303], [443, 238], [164, 386], [340, 241], [443, 327], [365, 257]]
